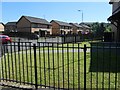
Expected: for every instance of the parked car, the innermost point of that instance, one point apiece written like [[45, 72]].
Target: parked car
[[5, 39]]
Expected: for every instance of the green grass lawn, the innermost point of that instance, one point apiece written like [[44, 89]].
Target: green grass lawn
[[65, 46], [81, 44], [61, 68]]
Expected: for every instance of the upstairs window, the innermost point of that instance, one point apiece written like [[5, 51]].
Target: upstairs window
[[34, 25]]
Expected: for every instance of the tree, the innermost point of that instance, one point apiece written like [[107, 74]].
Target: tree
[[108, 28]]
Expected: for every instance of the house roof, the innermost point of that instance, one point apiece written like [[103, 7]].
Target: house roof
[[112, 1], [1, 23], [76, 24], [37, 20], [114, 17], [89, 23], [61, 23], [11, 23], [84, 25]]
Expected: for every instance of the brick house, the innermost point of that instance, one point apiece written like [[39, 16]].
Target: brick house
[[77, 29], [115, 19], [34, 25], [1, 27], [11, 27], [59, 27], [86, 28]]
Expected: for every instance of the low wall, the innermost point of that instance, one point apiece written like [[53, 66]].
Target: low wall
[[62, 39], [68, 39]]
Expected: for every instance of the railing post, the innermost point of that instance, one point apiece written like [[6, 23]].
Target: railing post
[[75, 38], [18, 44], [85, 49], [35, 66]]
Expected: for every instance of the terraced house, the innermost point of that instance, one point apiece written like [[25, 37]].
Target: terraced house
[[77, 29], [60, 27], [115, 19], [86, 28], [34, 25], [11, 27], [1, 27]]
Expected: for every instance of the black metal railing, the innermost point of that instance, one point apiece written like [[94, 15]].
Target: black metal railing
[[60, 66]]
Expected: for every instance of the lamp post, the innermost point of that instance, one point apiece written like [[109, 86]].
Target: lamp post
[[82, 14]]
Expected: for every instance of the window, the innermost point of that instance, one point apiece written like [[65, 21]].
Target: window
[[34, 25], [61, 27], [43, 26], [48, 26]]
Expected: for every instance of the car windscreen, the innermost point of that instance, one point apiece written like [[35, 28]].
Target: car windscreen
[[3, 36]]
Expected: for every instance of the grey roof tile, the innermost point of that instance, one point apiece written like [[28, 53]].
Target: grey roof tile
[[85, 26], [37, 20], [76, 24], [11, 23], [62, 23]]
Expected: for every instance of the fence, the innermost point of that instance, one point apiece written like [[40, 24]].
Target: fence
[[64, 37], [60, 66]]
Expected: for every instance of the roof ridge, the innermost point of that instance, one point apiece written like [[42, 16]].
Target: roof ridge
[[34, 17], [62, 23], [36, 20]]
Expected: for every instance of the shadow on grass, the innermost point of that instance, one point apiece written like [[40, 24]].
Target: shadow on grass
[[105, 59]]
